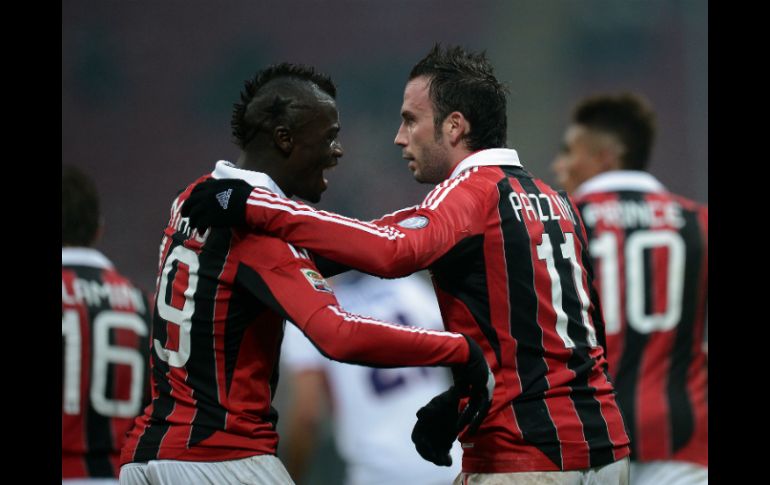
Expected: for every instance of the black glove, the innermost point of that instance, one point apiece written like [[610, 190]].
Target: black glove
[[217, 203], [436, 427], [440, 421], [476, 380]]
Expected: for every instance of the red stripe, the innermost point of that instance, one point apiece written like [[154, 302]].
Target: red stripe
[[697, 383], [221, 308], [179, 286], [651, 404], [182, 414], [499, 304]]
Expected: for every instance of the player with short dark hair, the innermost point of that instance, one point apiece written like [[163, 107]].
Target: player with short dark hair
[[105, 330], [650, 251], [223, 296], [510, 266]]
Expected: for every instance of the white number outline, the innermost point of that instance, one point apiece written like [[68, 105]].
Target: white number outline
[[605, 249], [174, 316], [104, 354], [545, 253]]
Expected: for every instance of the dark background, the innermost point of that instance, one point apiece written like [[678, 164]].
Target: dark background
[[148, 87]]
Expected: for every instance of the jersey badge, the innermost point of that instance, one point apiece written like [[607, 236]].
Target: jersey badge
[[416, 222], [316, 280]]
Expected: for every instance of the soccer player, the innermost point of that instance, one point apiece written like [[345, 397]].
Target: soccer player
[[223, 295], [105, 331], [650, 251], [380, 401], [510, 267]]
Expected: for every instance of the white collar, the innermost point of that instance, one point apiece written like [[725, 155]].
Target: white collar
[[226, 170], [490, 156], [81, 256], [635, 180]]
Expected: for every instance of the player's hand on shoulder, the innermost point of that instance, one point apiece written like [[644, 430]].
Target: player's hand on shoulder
[[217, 203]]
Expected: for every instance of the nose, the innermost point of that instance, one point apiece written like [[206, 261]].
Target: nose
[[401, 139], [337, 150]]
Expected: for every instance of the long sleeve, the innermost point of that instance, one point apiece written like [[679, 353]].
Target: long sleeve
[[296, 290], [396, 245]]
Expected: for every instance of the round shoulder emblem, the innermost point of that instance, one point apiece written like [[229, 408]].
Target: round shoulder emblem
[[416, 222]]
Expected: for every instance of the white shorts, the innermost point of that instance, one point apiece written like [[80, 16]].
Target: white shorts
[[612, 474], [669, 473], [254, 470]]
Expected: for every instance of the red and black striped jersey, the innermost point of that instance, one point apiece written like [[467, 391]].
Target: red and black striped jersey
[[510, 267], [105, 331], [650, 252], [221, 301]]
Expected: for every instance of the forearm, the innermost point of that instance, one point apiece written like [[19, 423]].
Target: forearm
[[349, 338]]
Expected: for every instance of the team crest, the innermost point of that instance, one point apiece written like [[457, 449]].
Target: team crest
[[316, 280], [416, 222]]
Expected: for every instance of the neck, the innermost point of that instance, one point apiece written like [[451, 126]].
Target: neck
[[267, 164]]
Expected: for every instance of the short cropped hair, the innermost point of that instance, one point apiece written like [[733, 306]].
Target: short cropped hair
[[465, 82], [628, 117], [275, 96], [79, 208]]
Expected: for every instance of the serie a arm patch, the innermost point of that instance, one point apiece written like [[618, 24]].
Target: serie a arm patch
[[316, 280]]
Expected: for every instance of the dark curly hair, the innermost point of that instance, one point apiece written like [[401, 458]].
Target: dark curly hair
[[628, 117], [79, 208], [273, 97], [465, 82]]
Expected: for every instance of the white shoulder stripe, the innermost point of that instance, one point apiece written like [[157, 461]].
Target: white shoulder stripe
[[269, 200], [259, 194], [434, 193], [389, 233], [349, 317], [454, 184], [298, 253]]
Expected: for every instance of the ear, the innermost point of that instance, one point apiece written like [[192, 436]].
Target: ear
[[610, 156], [456, 126], [283, 139]]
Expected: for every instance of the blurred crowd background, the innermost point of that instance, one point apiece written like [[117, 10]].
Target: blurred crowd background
[[148, 88]]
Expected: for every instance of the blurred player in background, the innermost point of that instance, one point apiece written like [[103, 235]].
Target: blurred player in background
[[650, 252], [374, 409], [510, 267], [105, 330], [223, 296]]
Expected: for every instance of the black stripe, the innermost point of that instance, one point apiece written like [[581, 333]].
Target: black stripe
[[679, 400], [148, 445], [201, 367], [529, 407], [462, 273], [97, 429], [597, 316], [629, 365], [243, 309], [581, 363], [170, 285]]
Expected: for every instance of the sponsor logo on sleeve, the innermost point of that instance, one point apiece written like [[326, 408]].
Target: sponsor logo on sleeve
[[316, 280], [416, 222]]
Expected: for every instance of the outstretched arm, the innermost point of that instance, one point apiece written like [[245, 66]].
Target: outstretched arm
[[395, 246]]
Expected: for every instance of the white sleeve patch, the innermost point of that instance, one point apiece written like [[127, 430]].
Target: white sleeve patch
[[416, 222], [316, 280]]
